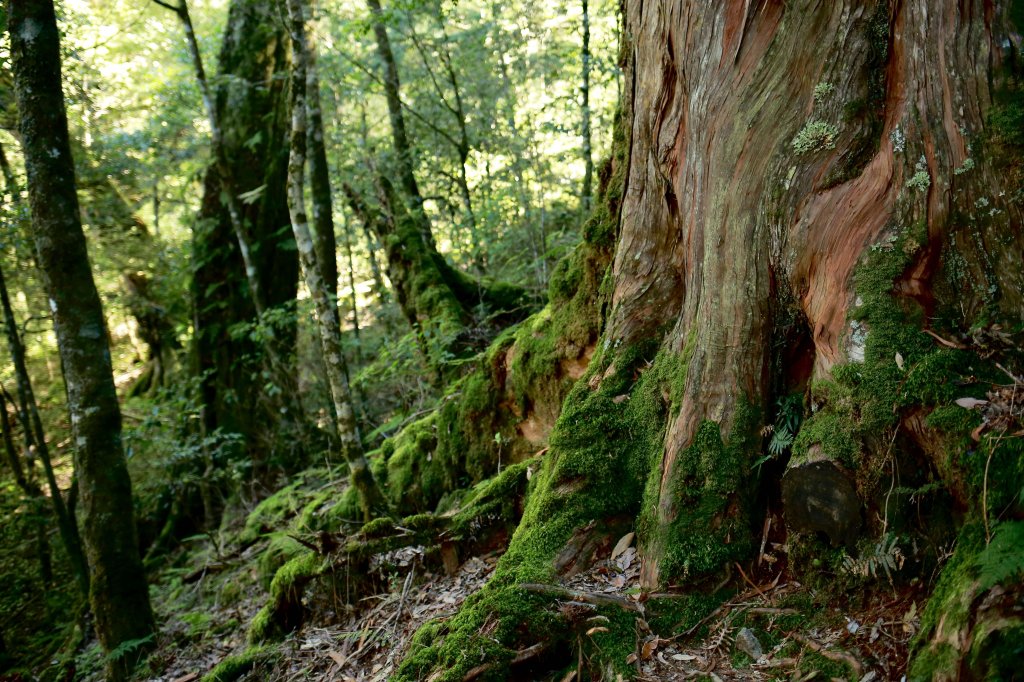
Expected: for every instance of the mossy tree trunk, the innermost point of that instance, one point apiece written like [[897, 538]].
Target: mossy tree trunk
[[806, 190], [251, 108], [119, 594]]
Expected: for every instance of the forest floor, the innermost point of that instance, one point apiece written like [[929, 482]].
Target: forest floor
[[770, 628]]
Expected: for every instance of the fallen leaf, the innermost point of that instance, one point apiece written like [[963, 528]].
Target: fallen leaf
[[186, 678], [683, 657], [647, 650], [970, 403], [338, 658], [631, 659], [626, 558], [594, 630], [622, 545]]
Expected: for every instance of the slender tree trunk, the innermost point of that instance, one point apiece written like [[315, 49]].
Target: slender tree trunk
[[400, 139], [35, 440], [326, 309], [588, 156], [119, 594], [353, 301], [36, 498], [320, 180]]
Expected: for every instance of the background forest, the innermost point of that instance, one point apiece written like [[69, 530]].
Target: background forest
[[491, 95]]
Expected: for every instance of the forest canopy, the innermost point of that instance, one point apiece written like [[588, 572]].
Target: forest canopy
[[430, 340]]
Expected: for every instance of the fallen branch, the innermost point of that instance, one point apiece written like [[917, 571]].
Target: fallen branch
[[837, 655], [586, 597], [522, 656]]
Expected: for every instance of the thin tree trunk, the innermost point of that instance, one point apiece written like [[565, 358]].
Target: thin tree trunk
[[371, 498], [119, 594], [320, 180], [353, 302], [35, 438], [32, 492], [399, 136], [588, 158]]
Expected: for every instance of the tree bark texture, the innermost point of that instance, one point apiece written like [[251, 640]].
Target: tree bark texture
[[119, 593], [588, 152], [326, 306], [251, 108], [772, 145], [320, 179]]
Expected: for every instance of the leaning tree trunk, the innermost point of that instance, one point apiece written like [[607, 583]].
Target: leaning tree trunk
[[119, 593], [809, 187]]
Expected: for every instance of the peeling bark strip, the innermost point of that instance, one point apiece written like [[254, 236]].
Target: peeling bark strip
[[119, 594], [326, 310]]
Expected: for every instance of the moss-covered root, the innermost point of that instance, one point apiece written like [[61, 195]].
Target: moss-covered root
[[284, 611], [233, 667], [972, 627]]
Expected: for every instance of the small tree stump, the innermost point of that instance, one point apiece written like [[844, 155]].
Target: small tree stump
[[818, 495]]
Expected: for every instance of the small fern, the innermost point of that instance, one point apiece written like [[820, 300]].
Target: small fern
[[130, 646], [1002, 559], [885, 556]]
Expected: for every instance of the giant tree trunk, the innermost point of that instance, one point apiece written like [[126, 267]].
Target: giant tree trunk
[[251, 109], [808, 188], [119, 593]]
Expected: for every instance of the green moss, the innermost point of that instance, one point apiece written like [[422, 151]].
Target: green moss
[[825, 667], [280, 550], [272, 512], [234, 667], [284, 610], [948, 610], [832, 431], [711, 526], [670, 616]]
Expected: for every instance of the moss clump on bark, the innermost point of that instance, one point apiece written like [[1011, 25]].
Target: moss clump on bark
[[712, 527], [502, 410]]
